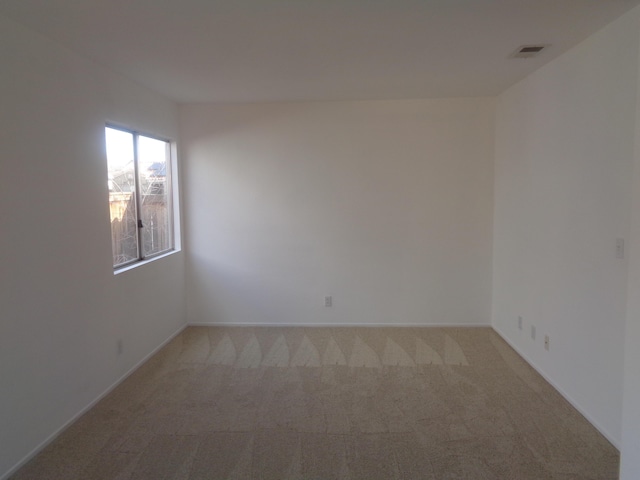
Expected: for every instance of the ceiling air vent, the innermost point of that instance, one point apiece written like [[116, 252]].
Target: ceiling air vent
[[528, 51]]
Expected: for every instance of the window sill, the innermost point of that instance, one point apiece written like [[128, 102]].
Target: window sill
[[144, 262]]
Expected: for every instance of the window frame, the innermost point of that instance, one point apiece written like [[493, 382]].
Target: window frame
[[169, 175]]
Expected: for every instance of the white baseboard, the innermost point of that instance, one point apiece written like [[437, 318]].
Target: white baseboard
[[338, 325], [68, 423], [566, 396]]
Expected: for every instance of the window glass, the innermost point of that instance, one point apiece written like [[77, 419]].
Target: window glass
[[154, 199], [122, 196]]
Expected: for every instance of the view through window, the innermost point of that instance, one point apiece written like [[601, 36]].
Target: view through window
[[139, 195]]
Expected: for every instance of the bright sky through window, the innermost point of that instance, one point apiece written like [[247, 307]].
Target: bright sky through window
[[119, 147]]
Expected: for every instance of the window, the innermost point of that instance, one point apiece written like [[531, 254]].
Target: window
[[140, 195]]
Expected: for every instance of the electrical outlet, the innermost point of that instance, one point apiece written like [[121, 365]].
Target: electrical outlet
[[328, 301], [546, 342], [120, 346], [520, 323], [533, 332]]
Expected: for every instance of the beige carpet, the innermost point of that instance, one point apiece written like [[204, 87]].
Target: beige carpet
[[331, 403]]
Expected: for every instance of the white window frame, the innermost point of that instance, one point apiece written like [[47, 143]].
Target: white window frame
[[172, 197]]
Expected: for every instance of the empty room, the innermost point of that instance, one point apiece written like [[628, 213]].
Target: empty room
[[352, 239]]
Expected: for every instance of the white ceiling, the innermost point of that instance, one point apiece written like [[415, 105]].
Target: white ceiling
[[288, 50]]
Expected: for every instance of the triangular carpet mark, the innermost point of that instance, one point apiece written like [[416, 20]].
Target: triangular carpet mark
[[307, 355], [224, 353], [278, 356], [363, 355], [333, 355], [426, 355], [395, 355], [251, 354], [453, 354]]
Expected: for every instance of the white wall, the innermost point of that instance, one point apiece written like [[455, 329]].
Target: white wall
[[630, 449], [564, 151], [385, 205], [62, 309]]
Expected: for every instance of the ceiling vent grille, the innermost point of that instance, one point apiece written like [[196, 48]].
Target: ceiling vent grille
[[528, 51]]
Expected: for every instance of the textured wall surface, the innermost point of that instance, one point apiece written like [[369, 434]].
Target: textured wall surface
[[564, 154], [386, 206], [63, 309]]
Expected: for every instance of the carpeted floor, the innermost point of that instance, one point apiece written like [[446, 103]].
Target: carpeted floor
[[331, 403]]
